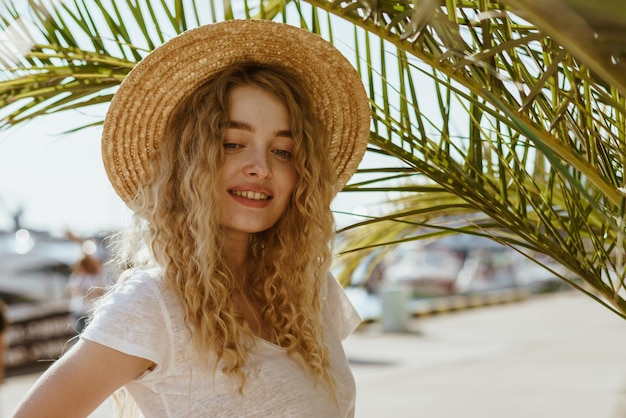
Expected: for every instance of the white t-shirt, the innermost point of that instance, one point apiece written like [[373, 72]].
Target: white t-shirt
[[144, 318]]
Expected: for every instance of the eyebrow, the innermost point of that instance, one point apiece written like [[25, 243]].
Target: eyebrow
[[245, 126]]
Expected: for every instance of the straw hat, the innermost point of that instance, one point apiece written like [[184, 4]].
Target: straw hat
[[140, 109]]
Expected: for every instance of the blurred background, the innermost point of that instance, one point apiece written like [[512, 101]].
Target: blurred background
[[482, 240]]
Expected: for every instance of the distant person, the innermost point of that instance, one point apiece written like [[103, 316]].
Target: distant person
[[85, 286], [4, 324]]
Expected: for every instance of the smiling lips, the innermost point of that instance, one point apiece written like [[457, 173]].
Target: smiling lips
[[250, 195]]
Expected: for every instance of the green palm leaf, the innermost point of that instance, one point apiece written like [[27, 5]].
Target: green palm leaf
[[495, 118]]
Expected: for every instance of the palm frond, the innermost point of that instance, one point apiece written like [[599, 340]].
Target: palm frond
[[499, 119], [540, 152]]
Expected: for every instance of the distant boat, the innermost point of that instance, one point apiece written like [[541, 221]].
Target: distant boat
[[461, 264], [35, 265]]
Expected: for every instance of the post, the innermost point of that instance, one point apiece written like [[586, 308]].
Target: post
[[394, 313]]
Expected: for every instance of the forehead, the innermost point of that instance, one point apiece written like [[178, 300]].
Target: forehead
[[252, 108]]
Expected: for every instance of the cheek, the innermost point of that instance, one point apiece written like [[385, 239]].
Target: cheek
[[290, 180], [224, 172]]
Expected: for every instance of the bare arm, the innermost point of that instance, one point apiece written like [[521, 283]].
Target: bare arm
[[80, 381]]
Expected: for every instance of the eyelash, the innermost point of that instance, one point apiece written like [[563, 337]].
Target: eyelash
[[281, 153]]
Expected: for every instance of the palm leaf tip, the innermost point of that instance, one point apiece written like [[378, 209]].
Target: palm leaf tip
[[14, 44]]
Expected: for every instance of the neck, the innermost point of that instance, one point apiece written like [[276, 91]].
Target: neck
[[236, 250]]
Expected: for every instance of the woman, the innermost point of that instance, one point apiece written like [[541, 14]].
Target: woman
[[229, 143]]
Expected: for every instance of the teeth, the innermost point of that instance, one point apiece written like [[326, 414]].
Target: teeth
[[251, 195]]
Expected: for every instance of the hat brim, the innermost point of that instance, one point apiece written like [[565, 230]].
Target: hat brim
[[140, 109]]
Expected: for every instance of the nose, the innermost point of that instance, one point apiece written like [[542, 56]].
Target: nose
[[258, 165]]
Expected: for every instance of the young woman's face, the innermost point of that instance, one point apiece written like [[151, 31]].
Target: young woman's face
[[258, 175]]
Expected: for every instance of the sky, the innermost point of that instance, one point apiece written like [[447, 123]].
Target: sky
[[60, 183], [58, 180]]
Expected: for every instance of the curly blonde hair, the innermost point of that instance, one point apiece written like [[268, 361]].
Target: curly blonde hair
[[178, 224]]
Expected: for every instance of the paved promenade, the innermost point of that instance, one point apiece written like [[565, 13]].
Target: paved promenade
[[556, 356]]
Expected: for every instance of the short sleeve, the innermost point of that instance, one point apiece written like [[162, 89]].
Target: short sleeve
[[344, 316], [132, 319]]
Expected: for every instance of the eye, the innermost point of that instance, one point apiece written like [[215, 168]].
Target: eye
[[283, 154], [230, 146]]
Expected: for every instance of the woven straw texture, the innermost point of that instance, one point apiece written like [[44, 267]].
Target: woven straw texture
[[140, 109]]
